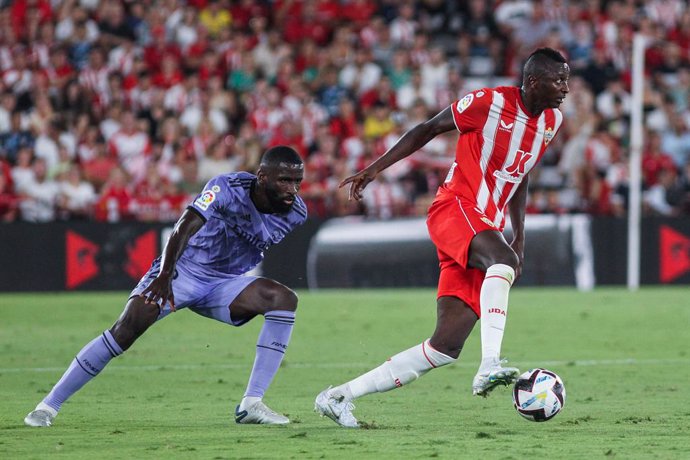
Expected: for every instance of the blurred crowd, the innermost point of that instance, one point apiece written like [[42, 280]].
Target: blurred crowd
[[121, 110]]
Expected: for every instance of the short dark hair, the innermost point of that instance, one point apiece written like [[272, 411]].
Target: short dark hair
[[542, 59], [280, 154]]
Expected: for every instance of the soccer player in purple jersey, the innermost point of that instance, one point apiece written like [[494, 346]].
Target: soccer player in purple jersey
[[220, 237]]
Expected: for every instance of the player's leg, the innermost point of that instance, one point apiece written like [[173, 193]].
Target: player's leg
[[90, 361], [454, 324], [490, 253], [277, 304]]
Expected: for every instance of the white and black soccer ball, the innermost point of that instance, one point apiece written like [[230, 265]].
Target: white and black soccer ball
[[538, 395]]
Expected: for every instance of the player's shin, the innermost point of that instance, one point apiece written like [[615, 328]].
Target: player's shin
[[493, 301], [270, 348], [88, 363], [399, 370]]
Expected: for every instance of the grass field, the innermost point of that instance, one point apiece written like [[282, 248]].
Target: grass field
[[623, 357]]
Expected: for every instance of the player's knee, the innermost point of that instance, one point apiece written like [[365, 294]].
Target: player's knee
[[133, 323], [506, 258], [280, 297]]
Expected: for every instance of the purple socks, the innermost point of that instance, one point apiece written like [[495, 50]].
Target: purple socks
[[86, 365], [270, 348]]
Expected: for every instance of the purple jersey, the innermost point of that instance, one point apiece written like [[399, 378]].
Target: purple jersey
[[236, 234]]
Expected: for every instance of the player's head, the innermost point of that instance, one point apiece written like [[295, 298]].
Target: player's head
[[279, 178], [545, 79]]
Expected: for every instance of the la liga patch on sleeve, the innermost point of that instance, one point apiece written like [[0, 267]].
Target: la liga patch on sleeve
[[465, 102], [205, 200]]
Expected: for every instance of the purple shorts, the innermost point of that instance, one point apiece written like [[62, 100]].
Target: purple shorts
[[209, 296]]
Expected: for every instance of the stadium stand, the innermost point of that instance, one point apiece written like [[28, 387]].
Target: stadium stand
[[119, 110]]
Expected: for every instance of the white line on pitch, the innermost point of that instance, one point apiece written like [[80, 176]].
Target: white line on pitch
[[352, 365]]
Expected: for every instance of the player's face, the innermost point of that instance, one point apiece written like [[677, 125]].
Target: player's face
[[281, 185], [552, 86]]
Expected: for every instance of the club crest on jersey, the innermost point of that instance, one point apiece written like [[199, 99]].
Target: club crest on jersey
[[215, 188], [548, 135], [465, 102], [205, 200]]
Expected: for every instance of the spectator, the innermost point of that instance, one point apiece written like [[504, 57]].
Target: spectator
[[361, 74], [38, 198], [215, 17], [76, 197], [8, 104], [676, 140], [654, 160], [113, 204], [218, 160], [131, 146], [9, 201], [16, 139]]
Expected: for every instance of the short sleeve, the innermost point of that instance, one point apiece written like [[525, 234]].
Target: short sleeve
[[470, 112], [213, 198]]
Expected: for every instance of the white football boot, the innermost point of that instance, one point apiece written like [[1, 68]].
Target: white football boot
[[484, 382], [43, 415], [336, 407], [259, 413]]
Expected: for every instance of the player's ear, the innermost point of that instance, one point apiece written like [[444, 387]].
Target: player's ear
[[261, 175]]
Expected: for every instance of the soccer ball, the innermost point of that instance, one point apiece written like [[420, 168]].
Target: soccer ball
[[538, 395]]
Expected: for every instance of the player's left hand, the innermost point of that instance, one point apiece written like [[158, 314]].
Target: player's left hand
[[358, 182]]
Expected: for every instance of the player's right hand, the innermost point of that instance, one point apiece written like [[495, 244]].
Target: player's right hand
[[358, 182], [160, 290]]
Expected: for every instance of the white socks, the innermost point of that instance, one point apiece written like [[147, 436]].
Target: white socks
[[493, 300], [401, 369], [248, 401]]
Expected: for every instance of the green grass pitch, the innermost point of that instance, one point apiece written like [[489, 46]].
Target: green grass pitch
[[623, 357]]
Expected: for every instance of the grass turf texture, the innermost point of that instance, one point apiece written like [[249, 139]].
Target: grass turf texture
[[623, 357]]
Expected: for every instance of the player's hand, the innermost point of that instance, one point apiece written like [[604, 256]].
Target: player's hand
[[160, 289], [358, 182]]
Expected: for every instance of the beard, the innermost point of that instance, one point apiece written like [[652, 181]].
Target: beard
[[277, 203]]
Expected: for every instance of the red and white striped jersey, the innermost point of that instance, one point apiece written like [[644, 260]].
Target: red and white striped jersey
[[499, 143]]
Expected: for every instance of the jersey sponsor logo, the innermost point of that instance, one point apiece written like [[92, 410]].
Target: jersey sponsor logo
[[515, 171], [506, 126], [548, 135], [205, 200], [465, 102]]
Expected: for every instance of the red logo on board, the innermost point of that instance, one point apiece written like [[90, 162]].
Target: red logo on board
[[81, 259], [140, 254], [674, 254], [82, 253]]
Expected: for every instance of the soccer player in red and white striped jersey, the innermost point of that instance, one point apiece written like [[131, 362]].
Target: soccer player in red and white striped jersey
[[504, 132]]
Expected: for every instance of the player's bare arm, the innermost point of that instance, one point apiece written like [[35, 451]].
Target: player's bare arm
[[516, 208], [410, 142], [160, 288]]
